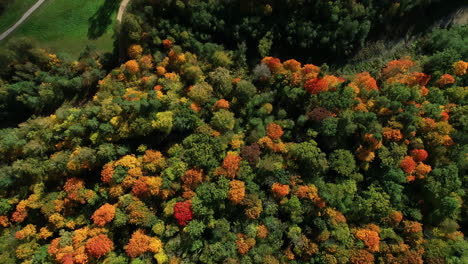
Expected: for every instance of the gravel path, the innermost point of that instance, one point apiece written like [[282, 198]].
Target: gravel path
[[122, 8], [22, 19]]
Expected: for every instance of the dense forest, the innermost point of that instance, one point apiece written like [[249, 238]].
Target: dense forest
[[239, 132]]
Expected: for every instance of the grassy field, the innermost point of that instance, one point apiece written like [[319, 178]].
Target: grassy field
[[14, 12], [68, 26]]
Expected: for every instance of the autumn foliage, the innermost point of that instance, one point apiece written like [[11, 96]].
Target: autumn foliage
[[408, 164], [190, 157], [141, 243], [419, 154], [274, 64], [460, 68], [365, 81], [231, 164], [236, 191], [103, 215], [134, 51], [132, 66], [192, 178], [99, 246], [370, 238], [183, 212], [316, 85], [445, 80], [274, 131], [280, 190], [244, 243]]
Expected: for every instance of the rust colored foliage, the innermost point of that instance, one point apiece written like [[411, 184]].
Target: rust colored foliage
[[192, 178], [316, 85], [195, 107], [416, 78], [140, 188], [370, 238], [365, 81], [160, 70], [397, 67], [20, 213], [320, 203], [333, 81], [183, 212], [396, 217], [221, 104], [274, 131], [274, 64], [99, 246], [236, 191], [74, 187], [408, 164], [362, 256], [167, 43], [392, 134], [4, 222], [262, 231], [445, 79], [444, 116], [310, 71], [231, 164], [410, 257], [251, 153], [104, 214], [280, 190], [132, 66], [419, 154], [424, 91], [292, 65], [107, 173]]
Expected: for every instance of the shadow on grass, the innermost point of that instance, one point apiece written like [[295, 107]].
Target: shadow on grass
[[101, 20]]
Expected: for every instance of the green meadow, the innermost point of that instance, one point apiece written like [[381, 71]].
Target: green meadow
[[68, 26], [14, 12]]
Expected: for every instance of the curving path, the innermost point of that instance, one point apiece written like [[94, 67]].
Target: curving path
[[7, 32], [22, 19], [122, 8]]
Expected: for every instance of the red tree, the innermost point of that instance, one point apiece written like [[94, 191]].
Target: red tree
[[316, 85], [419, 154], [408, 164], [183, 212]]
